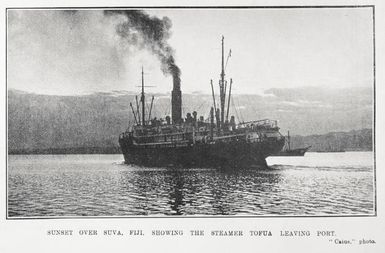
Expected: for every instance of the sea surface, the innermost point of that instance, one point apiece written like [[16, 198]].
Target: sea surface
[[318, 184]]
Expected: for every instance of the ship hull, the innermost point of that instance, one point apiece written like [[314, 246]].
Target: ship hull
[[292, 152], [219, 154]]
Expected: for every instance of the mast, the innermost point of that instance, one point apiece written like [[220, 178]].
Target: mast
[[212, 123], [222, 84], [212, 91], [228, 103], [142, 100], [133, 112], [137, 109], [288, 139]]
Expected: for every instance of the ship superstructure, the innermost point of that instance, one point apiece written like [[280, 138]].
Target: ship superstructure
[[198, 141]]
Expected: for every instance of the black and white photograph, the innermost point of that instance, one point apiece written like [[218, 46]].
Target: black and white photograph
[[190, 112]]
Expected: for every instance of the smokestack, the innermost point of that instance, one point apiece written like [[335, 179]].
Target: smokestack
[[152, 33], [176, 101]]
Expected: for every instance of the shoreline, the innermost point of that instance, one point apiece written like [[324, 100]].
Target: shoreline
[[118, 152]]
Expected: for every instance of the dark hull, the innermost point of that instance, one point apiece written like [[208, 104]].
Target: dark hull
[[219, 154], [292, 152]]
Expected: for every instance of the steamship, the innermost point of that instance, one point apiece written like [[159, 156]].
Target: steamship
[[199, 142]]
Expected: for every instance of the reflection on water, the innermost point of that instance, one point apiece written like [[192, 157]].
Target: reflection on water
[[100, 185]]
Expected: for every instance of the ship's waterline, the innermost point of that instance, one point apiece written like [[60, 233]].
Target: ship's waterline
[[102, 185]]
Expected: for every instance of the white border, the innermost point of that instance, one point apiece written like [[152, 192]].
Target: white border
[[30, 235]]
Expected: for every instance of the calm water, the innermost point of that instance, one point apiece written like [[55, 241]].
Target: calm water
[[100, 185]]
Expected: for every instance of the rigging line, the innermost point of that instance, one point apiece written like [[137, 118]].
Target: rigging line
[[204, 115], [167, 110], [235, 108], [206, 111], [248, 101], [227, 60], [251, 103], [204, 102], [148, 109], [240, 113], [186, 109], [162, 109], [153, 110]]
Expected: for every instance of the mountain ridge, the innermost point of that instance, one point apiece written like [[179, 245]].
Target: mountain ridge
[[41, 122]]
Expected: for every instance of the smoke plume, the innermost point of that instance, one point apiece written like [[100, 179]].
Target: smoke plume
[[142, 30]]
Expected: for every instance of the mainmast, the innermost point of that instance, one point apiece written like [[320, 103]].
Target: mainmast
[[142, 99], [222, 85]]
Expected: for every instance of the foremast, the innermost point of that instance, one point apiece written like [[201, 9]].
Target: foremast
[[220, 116], [142, 99]]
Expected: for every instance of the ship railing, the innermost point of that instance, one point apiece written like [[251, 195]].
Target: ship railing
[[163, 138], [159, 144], [197, 132], [159, 135], [229, 137], [260, 123]]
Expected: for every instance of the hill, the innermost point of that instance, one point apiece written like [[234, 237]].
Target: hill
[[92, 123], [355, 140]]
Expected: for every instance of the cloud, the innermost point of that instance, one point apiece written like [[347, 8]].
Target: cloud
[[67, 52]]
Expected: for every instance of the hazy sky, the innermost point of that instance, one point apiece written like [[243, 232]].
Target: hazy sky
[[55, 52]]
